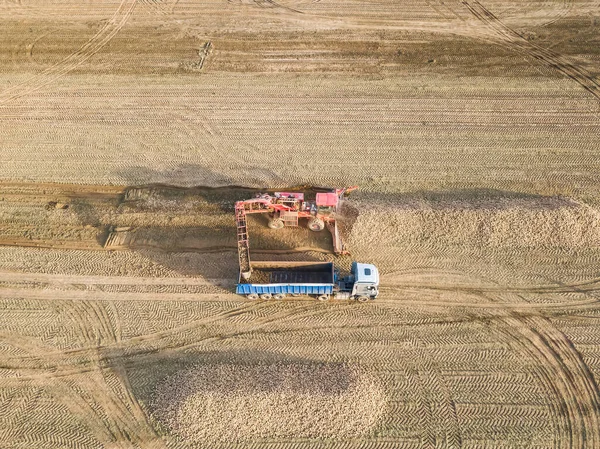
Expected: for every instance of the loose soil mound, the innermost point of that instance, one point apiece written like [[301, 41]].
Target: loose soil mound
[[493, 222], [233, 403]]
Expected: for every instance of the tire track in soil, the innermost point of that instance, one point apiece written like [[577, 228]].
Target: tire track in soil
[[113, 418], [122, 416], [513, 40], [93, 351], [268, 4], [129, 353], [589, 285], [569, 373], [64, 391], [557, 364], [562, 370], [275, 4], [438, 410], [157, 6], [591, 303], [444, 10], [121, 407], [431, 383], [102, 37], [393, 284], [92, 320], [567, 7], [29, 47]]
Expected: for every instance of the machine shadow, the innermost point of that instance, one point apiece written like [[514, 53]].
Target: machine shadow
[[191, 231]]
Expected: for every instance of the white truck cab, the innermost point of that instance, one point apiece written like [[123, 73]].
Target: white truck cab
[[366, 280]]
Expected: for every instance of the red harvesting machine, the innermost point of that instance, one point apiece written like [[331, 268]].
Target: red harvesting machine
[[285, 209]]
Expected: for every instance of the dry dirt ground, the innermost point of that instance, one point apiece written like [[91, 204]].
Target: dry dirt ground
[[127, 131]]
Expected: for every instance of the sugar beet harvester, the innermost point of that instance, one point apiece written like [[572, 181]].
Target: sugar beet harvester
[[284, 209], [319, 279]]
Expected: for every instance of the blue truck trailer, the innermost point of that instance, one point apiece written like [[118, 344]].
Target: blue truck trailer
[[276, 280]]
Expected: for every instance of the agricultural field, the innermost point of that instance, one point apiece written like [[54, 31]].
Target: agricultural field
[[128, 129]]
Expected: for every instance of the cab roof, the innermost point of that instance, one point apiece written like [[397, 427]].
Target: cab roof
[[327, 199], [365, 272]]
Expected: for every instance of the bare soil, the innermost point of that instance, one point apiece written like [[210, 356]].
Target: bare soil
[[128, 129]]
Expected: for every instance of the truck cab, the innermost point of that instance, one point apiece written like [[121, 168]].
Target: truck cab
[[361, 284], [366, 280]]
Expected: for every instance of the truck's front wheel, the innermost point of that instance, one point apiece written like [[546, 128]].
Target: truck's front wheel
[[362, 298]]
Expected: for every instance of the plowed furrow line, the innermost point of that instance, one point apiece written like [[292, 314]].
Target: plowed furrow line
[[20, 409], [103, 430], [73, 311], [100, 320], [591, 285], [274, 4], [87, 315], [440, 409], [158, 7], [113, 315], [425, 412], [136, 350], [129, 420], [64, 393], [65, 279], [567, 7]]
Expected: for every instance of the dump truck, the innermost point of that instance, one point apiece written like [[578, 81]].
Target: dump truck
[[276, 280]]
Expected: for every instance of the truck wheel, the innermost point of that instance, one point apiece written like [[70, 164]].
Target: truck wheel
[[252, 296], [278, 296], [266, 296], [316, 224], [362, 298], [323, 297], [276, 223]]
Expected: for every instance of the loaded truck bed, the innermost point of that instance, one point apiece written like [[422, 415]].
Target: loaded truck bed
[[289, 278]]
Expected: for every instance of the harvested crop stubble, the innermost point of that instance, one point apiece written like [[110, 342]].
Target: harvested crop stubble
[[236, 403], [496, 222]]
